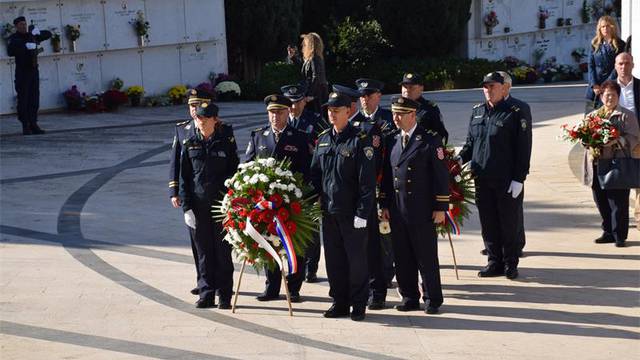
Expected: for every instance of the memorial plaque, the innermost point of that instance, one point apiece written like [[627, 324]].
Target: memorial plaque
[[545, 41], [89, 14], [82, 70], [160, 69], [50, 94], [492, 49], [200, 59], [519, 46], [119, 14], [166, 18], [123, 64], [7, 89], [205, 20]]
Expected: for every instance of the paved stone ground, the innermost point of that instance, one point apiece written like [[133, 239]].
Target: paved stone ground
[[95, 264]]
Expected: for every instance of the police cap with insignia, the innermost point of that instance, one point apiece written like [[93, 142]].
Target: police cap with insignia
[[411, 79], [337, 99], [207, 110], [277, 101], [491, 78], [401, 104], [19, 19], [198, 96], [369, 86], [294, 93], [347, 91]]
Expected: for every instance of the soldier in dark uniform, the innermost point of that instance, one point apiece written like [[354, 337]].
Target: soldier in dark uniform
[[429, 116], [196, 97], [354, 96], [416, 195], [373, 121], [499, 148], [209, 157], [343, 173], [281, 140], [23, 45], [312, 123]]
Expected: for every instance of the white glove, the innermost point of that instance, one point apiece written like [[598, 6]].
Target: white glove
[[515, 188], [30, 45], [190, 219], [359, 223], [35, 31]]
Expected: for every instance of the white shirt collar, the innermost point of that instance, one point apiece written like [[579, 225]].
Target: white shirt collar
[[410, 132], [364, 112]]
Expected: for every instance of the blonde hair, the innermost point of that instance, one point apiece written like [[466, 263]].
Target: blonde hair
[[312, 46], [599, 39]]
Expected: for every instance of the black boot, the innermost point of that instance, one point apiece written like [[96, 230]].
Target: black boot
[[36, 130]]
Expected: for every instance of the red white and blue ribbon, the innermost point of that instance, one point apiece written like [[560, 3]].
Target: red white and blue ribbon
[[264, 204], [452, 222], [287, 244]]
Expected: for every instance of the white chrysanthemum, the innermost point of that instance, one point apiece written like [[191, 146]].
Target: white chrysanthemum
[[298, 193], [236, 185], [285, 198], [458, 178], [291, 187], [271, 162], [228, 182], [263, 178], [246, 178]]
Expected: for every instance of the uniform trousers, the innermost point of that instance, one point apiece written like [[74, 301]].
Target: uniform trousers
[[345, 252], [498, 212], [214, 255], [377, 278], [415, 248], [27, 84], [312, 255], [294, 281]]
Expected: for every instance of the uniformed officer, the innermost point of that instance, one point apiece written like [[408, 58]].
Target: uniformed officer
[[209, 157], [342, 172], [196, 97], [429, 116], [416, 195], [374, 121], [312, 123], [354, 96], [280, 140], [23, 45], [498, 146]]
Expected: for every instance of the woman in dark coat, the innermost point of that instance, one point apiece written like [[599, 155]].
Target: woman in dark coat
[[313, 71], [605, 46]]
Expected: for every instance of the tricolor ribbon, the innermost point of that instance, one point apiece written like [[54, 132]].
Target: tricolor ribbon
[[452, 222], [264, 205], [250, 231], [285, 238]]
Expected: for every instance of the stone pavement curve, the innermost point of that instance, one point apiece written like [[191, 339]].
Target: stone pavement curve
[[96, 264]]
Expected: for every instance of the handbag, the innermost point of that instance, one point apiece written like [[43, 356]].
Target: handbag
[[619, 173]]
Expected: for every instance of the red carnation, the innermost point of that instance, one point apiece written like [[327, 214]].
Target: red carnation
[[254, 215], [257, 196], [254, 245], [296, 208], [272, 228], [291, 227], [267, 216], [230, 192], [276, 199], [242, 225], [283, 214]]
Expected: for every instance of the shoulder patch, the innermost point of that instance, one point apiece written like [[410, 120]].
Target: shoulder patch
[[324, 131], [183, 123], [515, 108], [477, 105], [362, 134]]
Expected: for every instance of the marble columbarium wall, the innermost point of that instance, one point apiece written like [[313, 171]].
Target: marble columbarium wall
[[187, 41]]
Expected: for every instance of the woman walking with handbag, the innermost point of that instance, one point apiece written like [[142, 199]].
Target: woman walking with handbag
[[612, 200]]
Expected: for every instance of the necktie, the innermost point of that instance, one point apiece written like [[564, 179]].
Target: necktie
[[276, 135], [405, 140]]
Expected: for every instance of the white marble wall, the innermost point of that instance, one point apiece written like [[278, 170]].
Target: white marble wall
[[187, 41]]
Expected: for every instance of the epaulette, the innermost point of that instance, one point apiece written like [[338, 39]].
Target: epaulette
[[362, 134], [515, 108], [324, 131], [432, 103], [431, 132], [477, 105], [259, 129], [183, 123]]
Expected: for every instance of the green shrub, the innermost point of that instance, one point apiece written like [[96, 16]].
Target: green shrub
[[274, 75], [355, 44]]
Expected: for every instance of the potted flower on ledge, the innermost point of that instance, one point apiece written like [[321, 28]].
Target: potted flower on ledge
[[141, 26], [73, 34], [490, 21], [55, 40], [135, 94], [543, 15]]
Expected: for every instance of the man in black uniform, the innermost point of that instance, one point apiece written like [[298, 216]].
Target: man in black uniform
[[373, 121], [343, 173], [281, 140], [499, 148], [416, 195], [312, 123], [196, 97], [209, 157], [429, 116], [23, 45]]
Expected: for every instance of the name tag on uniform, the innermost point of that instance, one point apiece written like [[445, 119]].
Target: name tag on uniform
[[194, 148], [323, 144], [477, 116]]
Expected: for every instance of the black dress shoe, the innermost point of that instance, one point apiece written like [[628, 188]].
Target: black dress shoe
[[511, 272], [205, 303], [483, 252], [26, 130], [408, 306], [312, 278], [336, 311], [358, 313], [376, 304], [431, 310], [491, 271], [195, 291], [267, 297], [295, 297], [620, 243], [35, 130], [521, 253], [224, 305], [605, 239]]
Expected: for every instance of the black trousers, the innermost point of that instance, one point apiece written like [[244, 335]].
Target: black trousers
[[387, 257], [522, 241], [312, 254], [294, 281], [27, 84], [194, 251], [415, 247], [345, 252], [613, 206], [214, 255], [377, 278], [498, 212]]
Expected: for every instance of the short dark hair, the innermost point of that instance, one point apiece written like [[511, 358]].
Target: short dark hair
[[612, 85]]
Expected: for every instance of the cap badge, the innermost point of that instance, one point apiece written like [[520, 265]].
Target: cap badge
[[409, 75], [401, 101], [193, 92], [204, 105], [364, 84], [293, 90], [334, 95], [274, 98]]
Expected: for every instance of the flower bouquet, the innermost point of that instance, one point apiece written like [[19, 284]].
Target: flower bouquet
[[543, 15], [592, 132], [56, 42], [265, 214], [141, 27], [73, 34], [227, 90], [73, 98], [135, 94], [113, 98], [491, 21], [461, 195], [177, 94]]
